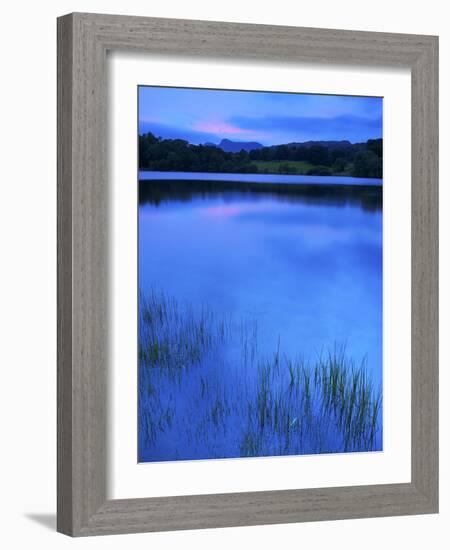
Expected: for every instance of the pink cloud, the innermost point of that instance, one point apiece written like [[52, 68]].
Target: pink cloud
[[218, 128]]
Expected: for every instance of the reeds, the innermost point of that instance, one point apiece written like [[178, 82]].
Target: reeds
[[173, 336], [206, 391]]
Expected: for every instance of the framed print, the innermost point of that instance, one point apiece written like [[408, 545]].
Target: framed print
[[247, 274]]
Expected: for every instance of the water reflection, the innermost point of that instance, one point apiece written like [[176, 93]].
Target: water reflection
[[300, 267], [157, 192]]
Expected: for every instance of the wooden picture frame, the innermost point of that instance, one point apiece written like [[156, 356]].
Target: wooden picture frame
[[83, 41]]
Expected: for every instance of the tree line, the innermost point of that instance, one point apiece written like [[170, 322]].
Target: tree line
[[319, 158]]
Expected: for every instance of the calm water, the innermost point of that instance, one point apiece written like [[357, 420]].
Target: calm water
[[302, 268]]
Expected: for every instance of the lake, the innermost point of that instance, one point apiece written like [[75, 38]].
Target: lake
[[253, 294]]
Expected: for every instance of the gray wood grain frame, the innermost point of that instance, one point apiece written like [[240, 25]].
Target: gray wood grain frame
[[83, 41]]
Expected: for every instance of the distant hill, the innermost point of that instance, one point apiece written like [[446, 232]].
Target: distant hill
[[235, 146]]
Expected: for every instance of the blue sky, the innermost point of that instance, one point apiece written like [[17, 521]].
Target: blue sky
[[200, 115]]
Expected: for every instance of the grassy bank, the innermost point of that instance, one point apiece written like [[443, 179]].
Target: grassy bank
[[205, 390], [283, 167]]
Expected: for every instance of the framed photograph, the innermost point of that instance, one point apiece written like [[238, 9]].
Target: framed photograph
[[247, 274]]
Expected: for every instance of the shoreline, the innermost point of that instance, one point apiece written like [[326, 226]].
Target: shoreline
[[287, 179]]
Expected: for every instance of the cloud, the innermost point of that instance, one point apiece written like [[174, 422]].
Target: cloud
[[350, 127], [271, 129], [167, 131], [218, 128], [201, 132]]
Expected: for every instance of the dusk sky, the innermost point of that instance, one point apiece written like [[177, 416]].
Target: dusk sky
[[200, 115]]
